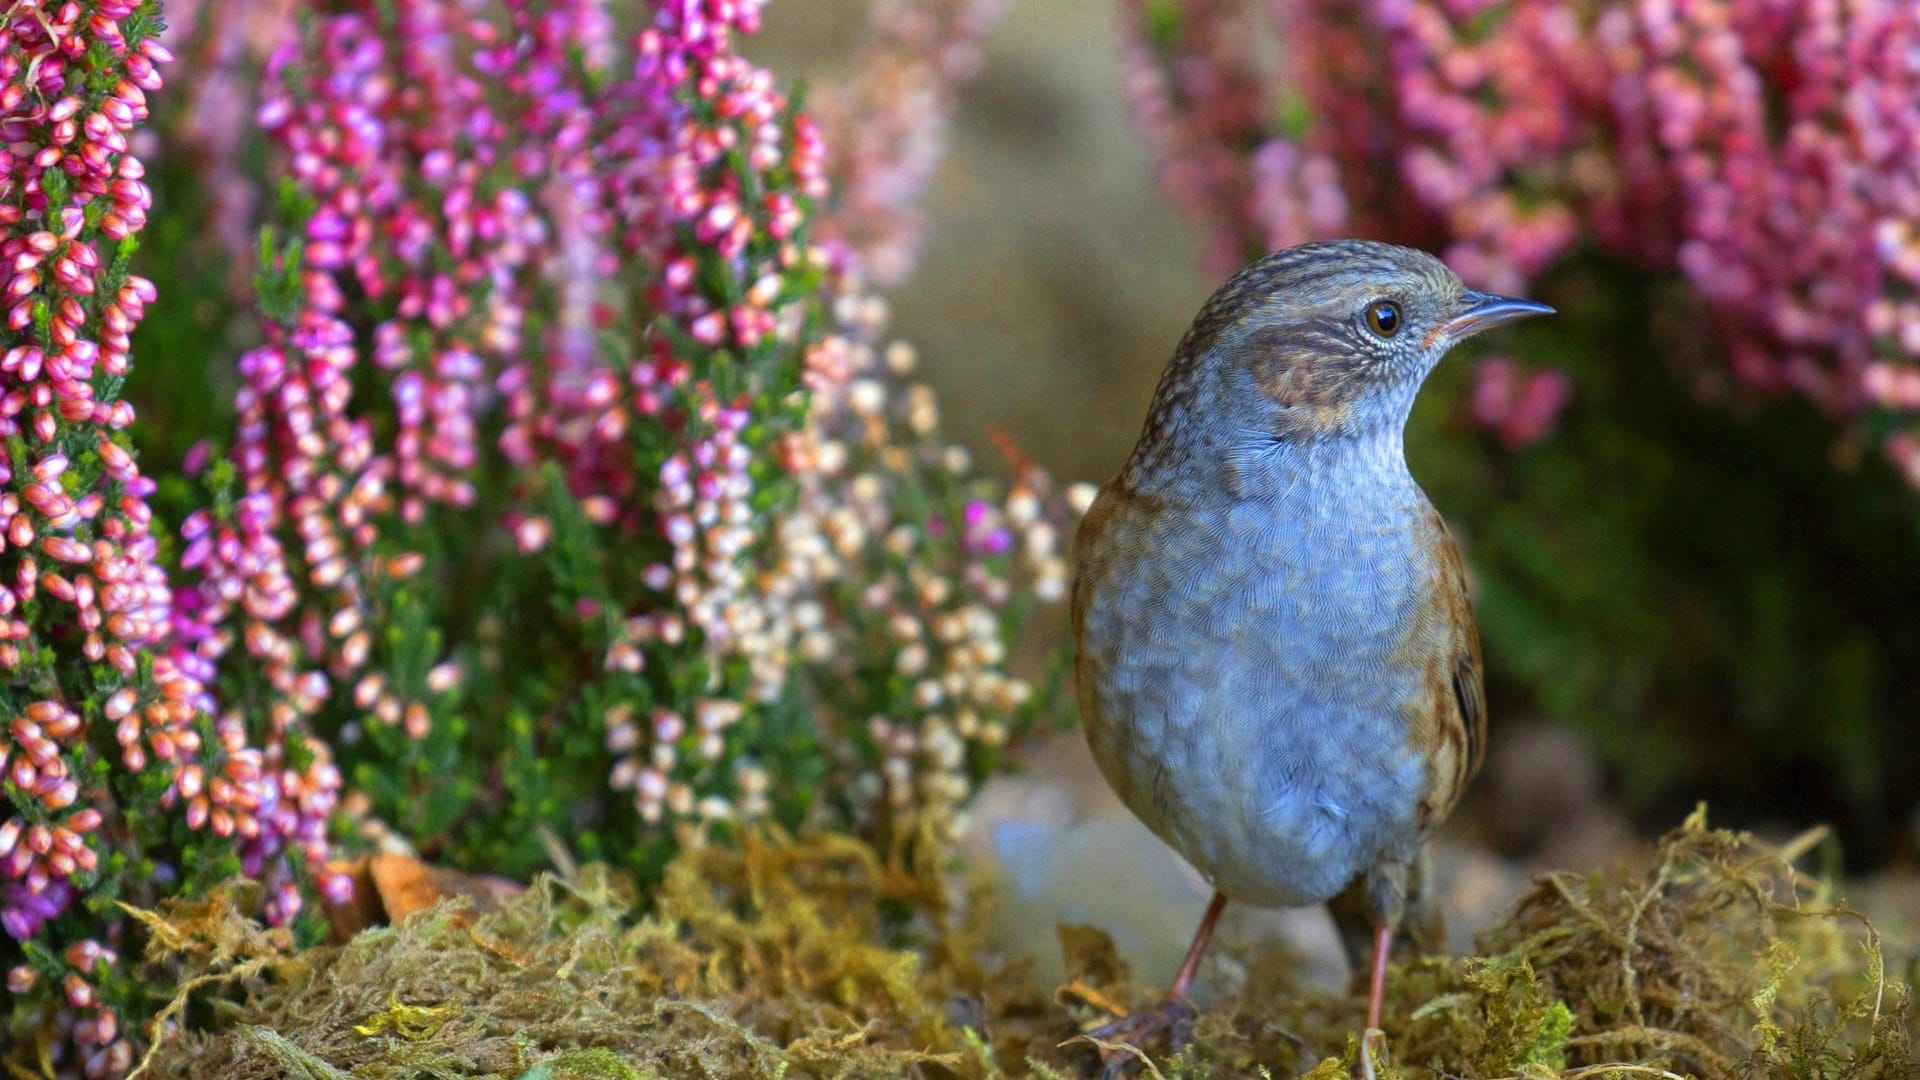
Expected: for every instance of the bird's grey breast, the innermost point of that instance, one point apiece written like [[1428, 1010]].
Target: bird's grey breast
[[1246, 702]]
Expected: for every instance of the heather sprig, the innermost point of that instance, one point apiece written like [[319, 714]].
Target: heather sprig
[[116, 784], [887, 123], [930, 572]]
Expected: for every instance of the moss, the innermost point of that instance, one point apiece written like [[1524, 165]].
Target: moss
[[818, 957]]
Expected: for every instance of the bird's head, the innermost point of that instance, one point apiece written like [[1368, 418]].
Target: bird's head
[[1336, 337], [1320, 341]]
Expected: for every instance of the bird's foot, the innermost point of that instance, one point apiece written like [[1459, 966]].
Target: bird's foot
[[1122, 1040], [1373, 1048]]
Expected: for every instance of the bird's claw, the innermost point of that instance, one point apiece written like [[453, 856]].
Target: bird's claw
[[1373, 1047], [1173, 1017]]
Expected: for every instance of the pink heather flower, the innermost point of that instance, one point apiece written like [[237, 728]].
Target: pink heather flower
[[207, 111], [1200, 99], [1767, 150], [983, 532], [77, 573], [666, 175], [887, 123], [705, 27], [1903, 449], [86, 610], [307, 470], [444, 245], [1518, 406]]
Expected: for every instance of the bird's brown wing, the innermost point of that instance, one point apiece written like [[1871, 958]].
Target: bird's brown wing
[[1470, 691], [1449, 718]]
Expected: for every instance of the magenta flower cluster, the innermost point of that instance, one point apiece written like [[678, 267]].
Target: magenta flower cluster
[[206, 113], [1767, 151], [887, 123]]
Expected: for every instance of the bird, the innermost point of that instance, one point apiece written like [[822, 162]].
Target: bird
[[1276, 658]]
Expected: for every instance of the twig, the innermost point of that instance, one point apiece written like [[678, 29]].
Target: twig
[[179, 1004]]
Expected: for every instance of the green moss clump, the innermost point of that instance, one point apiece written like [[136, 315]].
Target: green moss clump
[[782, 957], [817, 957]]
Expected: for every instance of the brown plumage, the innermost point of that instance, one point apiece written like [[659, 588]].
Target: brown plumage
[[1278, 666]]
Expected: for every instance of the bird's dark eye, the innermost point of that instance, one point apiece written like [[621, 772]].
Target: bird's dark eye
[[1383, 318]]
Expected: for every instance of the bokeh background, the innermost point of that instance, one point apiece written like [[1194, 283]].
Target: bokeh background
[[1053, 276]]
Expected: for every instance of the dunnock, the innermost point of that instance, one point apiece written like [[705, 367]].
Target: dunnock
[[1278, 666]]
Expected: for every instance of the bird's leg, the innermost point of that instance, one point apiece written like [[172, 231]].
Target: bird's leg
[[1190, 965], [1386, 891], [1376, 999], [1358, 910], [1174, 1013], [1377, 985]]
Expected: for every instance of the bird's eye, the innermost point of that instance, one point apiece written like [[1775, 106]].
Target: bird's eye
[[1383, 318]]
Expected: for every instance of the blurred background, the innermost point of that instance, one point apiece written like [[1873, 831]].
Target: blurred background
[[1053, 276]]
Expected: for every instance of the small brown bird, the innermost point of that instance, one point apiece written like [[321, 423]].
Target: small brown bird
[[1278, 666]]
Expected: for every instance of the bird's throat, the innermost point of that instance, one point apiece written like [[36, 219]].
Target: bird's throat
[[1342, 468]]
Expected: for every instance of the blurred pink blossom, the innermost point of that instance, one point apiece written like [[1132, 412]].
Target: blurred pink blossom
[[1518, 406], [1768, 151], [887, 122]]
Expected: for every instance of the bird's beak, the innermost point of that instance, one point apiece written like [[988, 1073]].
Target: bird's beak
[[1480, 312]]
